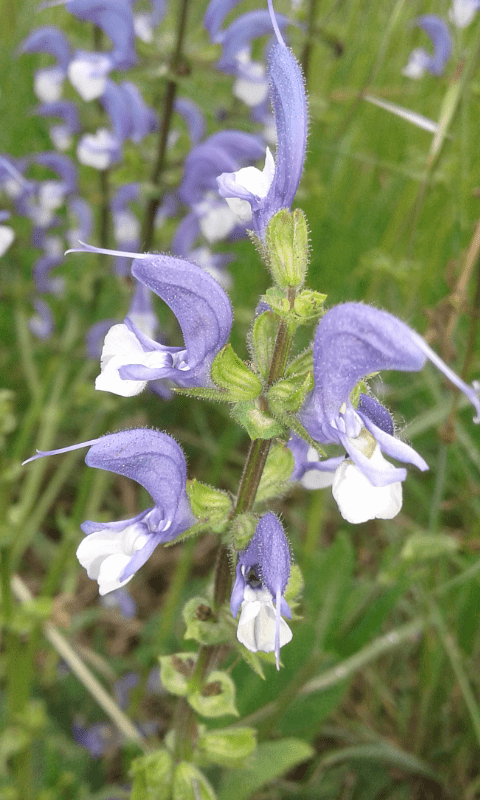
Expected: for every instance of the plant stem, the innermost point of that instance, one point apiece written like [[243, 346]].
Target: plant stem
[[168, 107]]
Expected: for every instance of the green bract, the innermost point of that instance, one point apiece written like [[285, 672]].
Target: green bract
[[152, 776], [176, 671], [190, 784], [216, 698], [228, 748], [202, 625]]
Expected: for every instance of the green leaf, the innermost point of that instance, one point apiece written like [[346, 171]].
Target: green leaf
[[424, 546], [271, 760], [216, 698], [190, 784], [384, 752], [152, 776], [258, 424], [276, 474], [229, 747], [176, 671], [202, 625], [230, 373]]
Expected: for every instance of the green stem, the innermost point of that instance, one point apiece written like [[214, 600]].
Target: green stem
[[168, 107], [185, 725], [307, 49]]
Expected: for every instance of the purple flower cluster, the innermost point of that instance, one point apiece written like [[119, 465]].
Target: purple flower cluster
[[352, 341]]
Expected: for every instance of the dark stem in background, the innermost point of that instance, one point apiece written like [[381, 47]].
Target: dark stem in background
[[208, 655], [104, 221], [307, 48], [176, 68], [103, 175]]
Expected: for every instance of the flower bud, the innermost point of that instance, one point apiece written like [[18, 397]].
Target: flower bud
[[287, 247]]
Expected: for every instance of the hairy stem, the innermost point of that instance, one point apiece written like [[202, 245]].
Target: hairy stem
[[176, 69]]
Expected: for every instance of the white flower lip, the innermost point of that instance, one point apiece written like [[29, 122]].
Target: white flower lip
[[106, 553], [257, 622], [358, 499], [121, 348]]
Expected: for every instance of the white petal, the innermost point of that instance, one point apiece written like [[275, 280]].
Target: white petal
[[47, 84], [6, 238], [106, 553], [60, 137], [462, 12], [89, 75], [218, 222], [317, 479], [256, 626], [415, 67], [110, 571], [358, 499], [241, 208], [126, 227]]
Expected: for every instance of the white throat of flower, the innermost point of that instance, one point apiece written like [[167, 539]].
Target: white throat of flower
[[257, 623], [255, 181], [106, 553], [357, 498]]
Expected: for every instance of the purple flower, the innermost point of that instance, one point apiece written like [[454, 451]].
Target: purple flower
[[194, 119], [48, 81], [420, 61], [41, 323], [121, 600], [130, 358], [115, 19], [66, 111], [353, 341], [82, 214], [262, 574], [113, 551], [126, 226], [259, 195]]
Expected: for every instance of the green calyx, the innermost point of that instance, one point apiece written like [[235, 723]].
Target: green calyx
[[232, 375], [286, 242]]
